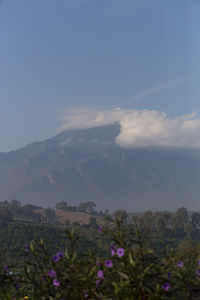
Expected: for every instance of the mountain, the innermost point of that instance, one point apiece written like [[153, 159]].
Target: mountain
[[87, 165]]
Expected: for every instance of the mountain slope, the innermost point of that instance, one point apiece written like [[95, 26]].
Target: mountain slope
[[87, 165]]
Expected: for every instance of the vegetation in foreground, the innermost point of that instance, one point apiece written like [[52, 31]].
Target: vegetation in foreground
[[131, 269]]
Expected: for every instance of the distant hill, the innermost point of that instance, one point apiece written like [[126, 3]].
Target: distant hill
[[86, 165]]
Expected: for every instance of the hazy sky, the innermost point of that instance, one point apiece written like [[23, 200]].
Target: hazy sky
[[59, 55]]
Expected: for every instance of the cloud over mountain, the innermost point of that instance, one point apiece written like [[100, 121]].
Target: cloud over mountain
[[139, 128]]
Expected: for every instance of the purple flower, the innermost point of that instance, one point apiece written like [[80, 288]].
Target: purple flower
[[100, 274], [42, 278], [108, 263], [56, 282], [120, 252], [112, 249], [198, 273], [98, 263], [6, 269], [26, 247], [180, 264], [199, 261], [58, 256], [100, 229], [85, 294], [112, 252], [166, 286], [169, 274], [98, 281], [55, 258], [51, 273], [16, 286], [190, 287]]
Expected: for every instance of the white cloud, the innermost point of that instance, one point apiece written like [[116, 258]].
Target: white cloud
[[140, 128]]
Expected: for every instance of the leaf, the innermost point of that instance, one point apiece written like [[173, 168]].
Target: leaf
[[123, 275], [32, 246], [92, 271], [66, 254], [132, 263], [116, 287], [41, 242]]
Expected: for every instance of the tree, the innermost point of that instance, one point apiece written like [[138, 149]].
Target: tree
[[93, 222], [27, 211], [180, 219], [121, 214], [148, 218], [50, 215], [195, 219], [67, 222], [6, 214], [15, 207], [87, 207], [15, 203], [62, 205]]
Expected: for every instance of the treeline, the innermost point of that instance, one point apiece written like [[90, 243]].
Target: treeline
[[165, 230], [180, 223], [86, 207], [13, 210]]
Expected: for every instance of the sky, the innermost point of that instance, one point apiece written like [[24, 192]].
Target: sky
[[63, 58]]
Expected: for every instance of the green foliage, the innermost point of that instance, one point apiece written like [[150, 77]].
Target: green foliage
[[5, 214], [15, 210], [86, 207], [62, 205], [157, 256], [130, 269], [50, 216], [93, 223]]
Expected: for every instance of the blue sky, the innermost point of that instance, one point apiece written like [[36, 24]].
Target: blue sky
[[57, 55]]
